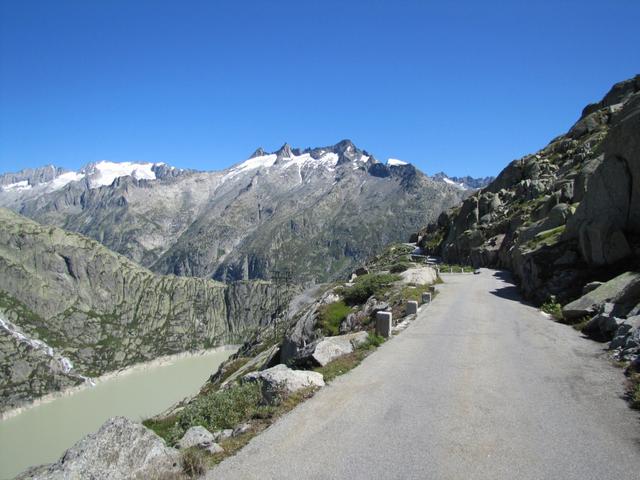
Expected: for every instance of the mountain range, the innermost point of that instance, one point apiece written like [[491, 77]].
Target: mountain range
[[316, 212]]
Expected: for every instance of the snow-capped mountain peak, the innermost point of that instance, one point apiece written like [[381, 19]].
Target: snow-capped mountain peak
[[394, 162], [464, 183], [105, 172], [97, 174]]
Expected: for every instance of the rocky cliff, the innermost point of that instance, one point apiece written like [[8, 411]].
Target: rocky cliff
[[316, 211], [562, 217], [70, 308]]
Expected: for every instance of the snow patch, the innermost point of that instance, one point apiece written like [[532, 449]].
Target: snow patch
[[16, 187], [104, 173], [263, 161], [394, 162], [64, 179], [451, 182]]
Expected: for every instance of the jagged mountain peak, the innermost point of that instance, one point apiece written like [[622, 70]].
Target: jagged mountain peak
[[258, 152], [285, 151]]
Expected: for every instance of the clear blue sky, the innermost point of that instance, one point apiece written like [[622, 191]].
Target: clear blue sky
[[461, 86]]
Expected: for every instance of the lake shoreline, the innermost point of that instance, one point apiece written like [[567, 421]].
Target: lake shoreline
[[92, 382]]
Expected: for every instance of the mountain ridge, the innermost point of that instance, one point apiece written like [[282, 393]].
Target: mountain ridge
[[298, 209], [563, 216], [98, 311]]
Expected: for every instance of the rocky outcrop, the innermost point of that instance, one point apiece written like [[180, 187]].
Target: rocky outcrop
[[101, 311], [626, 339], [562, 217], [120, 450], [283, 380], [201, 438], [622, 292], [330, 348]]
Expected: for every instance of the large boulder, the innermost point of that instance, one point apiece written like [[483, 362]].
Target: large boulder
[[623, 291], [628, 333], [121, 450], [259, 362], [420, 276], [602, 327], [301, 339], [282, 379], [374, 306], [331, 348], [200, 437]]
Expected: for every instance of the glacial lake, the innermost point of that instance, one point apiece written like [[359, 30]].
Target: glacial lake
[[42, 433]]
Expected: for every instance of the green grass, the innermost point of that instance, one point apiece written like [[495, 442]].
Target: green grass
[[261, 421], [393, 254], [434, 240], [367, 285], [581, 323], [546, 238], [553, 308], [399, 267], [194, 462], [331, 315], [342, 365], [634, 390], [413, 293], [373, 341], [214, 411]]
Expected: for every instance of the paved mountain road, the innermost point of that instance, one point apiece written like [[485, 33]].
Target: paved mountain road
[[480, 386]]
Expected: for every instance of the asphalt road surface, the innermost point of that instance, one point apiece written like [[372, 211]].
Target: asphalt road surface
[[480, 386]]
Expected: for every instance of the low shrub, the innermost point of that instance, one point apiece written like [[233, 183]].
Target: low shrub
[[367, 285], [219, 410], [399, 267], [331, 315], [194, 462], [373, 341], [342, 365], [553, 308], [634, 390]]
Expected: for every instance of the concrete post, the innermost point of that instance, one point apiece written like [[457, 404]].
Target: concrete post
[[383, 323], [426, 297], [412, 307]]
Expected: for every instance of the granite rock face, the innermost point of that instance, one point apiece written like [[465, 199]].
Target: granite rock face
[[284, 379], [101, 311], [622, 292], [201, 438], [330, 348], [120, 450], [562, 217]]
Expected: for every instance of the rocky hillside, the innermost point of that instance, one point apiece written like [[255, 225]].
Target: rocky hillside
[[317, 211], [562, 217], [70, 308]]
